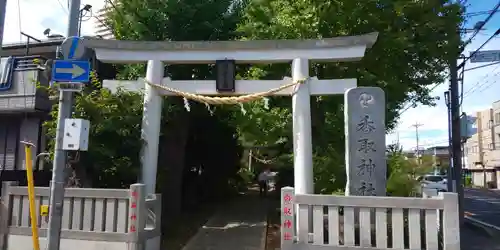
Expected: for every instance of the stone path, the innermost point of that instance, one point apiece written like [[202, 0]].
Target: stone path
[[242, 224]]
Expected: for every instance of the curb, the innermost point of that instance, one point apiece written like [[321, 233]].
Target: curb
[[491, 230]]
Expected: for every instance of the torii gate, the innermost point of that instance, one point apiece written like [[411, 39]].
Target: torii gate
[[349, 48]]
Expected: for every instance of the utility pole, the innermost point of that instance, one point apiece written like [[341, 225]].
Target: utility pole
[[456, 140], [450, 170], [58, 180], [434, 161], [417, 125]]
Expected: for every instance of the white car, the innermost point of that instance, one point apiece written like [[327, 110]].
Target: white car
[[437, 182]]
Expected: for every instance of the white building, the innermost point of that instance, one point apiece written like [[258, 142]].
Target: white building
[[102, 29]]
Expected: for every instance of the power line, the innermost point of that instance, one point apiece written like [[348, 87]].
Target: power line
[[480, 47], [62, 6], [480, 13], [436, 143], [489, 85], [445, 141], [461, 65], [480, 82], [483, 23], [482, 66]]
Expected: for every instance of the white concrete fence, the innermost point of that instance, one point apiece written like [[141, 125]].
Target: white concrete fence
[[368, 223], [92, 218]]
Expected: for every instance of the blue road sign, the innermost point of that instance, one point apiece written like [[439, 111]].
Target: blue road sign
[[484, 56], [71, 71], [74, 45], [73, 48]]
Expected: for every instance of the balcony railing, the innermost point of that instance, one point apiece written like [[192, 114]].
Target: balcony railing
[[18, 85]]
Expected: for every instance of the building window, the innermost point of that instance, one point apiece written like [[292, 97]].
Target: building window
[[491, 146], [497, 118]]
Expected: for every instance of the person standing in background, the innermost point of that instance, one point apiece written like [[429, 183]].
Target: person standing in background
[[263, 182]]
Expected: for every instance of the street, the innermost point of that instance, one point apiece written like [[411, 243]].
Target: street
[[474, 239], [482, 206]]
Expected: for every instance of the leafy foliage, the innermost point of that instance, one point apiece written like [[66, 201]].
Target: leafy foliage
[[112, 159], [403, 172], [417, 40], [205, 134]]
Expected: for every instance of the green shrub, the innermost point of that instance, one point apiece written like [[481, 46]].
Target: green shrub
[[468, 181]]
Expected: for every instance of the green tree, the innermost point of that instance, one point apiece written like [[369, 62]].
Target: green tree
[[185, 20], [416, 41], [113, 157], [394, 148], [402, 173]]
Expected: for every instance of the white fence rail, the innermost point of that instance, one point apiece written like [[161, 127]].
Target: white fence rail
[[369, 223], [102, 218]]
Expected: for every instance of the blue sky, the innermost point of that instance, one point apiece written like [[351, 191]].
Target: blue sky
[[481, 84], [480, 89]]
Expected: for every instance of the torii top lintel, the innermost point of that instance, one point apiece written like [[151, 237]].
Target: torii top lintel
[[346, 48]]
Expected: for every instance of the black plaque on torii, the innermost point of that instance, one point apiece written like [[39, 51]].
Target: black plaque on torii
[[226, 74]]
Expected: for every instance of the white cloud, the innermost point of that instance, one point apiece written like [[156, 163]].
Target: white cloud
[[481, 89], [36, 16], [431, 118]]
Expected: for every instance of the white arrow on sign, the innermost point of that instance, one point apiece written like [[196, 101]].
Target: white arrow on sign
[[75, 71]]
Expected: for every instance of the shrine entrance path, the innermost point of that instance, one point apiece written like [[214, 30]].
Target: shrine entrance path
[[241, 224]]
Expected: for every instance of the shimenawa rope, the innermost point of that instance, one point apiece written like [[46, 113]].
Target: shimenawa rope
[[227, 99]]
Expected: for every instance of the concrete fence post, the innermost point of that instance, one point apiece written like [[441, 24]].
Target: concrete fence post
[[451, 224], [4, 213], [288, 226], [137, 216]]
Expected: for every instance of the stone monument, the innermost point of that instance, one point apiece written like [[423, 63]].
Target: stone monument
[[364, 115]]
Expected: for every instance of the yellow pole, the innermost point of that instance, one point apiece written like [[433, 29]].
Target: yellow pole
[[31, 195]]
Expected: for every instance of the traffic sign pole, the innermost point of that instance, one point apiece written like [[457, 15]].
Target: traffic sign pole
[[58, 178]]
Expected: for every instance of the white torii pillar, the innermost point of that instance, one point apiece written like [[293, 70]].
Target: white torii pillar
[[302, 136], [151, 126], [263, 51]]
